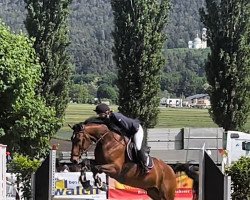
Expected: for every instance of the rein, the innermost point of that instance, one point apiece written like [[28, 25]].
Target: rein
[[97, 141]]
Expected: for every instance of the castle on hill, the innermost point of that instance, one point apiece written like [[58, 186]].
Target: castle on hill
[[199, 43]]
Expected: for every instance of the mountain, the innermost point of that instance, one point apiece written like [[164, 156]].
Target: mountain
[[91, 23]]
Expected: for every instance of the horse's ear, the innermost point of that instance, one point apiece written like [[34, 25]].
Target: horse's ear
[[70, 126]]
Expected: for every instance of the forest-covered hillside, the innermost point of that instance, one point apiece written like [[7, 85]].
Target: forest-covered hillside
[[91, 23]]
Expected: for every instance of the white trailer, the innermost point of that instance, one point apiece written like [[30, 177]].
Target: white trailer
[[237, 145]]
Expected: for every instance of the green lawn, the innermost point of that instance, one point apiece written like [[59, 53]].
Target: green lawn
[[168, 118]]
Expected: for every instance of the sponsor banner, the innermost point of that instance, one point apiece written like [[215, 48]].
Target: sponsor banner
[[184, 190], [67, 184], [181, 193], [121, 191]]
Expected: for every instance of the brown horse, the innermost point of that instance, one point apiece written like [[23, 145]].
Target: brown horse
[[111, 158]]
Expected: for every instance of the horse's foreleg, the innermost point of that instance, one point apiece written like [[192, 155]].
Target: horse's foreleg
[[109, 169], [83, 180], [98, 181]]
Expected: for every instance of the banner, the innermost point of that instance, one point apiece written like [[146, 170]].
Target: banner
[[67, 184], [118, 191], [184, 190]]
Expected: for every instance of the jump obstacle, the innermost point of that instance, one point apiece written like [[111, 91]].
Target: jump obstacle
[[48, 184], [213, 184]]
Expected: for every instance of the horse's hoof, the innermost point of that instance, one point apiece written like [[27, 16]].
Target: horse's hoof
[[83, 178], [86, 185], [98, 182], [104, 187], [99, 185], [96, 177]]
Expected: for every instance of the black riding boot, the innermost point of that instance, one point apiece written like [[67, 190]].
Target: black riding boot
[[143, 160]]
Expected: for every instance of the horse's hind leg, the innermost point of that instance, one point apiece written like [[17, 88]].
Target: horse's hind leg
[[167, 197], [156, 195], [153, 193], [167, 192], [168, 184]]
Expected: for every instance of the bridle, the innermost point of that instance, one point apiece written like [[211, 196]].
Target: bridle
[[93, 139]]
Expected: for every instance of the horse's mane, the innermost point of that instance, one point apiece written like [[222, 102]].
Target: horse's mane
[[97, 120], [94, 120]]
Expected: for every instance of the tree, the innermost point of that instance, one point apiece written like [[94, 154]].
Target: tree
[[170, 82], [239, 172], [23, 167], [138, 42], [47, 22], [190, 84], [105, 91], [228, 65], [26, 123], [79, 93]]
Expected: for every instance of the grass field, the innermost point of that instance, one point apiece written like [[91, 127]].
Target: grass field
[[168, 118]]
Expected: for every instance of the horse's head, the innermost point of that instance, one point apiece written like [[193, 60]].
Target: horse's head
[[81, 141]]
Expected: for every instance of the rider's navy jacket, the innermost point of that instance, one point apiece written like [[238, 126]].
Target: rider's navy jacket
[[128, 125]]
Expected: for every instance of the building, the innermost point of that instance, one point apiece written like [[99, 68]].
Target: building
[[199, 43], [198, 101], [168, 102]]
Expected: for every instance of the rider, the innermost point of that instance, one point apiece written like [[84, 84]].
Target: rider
[[130, 126]]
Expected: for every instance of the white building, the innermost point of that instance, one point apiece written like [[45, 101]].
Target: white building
[[198, 101], [199, 43]]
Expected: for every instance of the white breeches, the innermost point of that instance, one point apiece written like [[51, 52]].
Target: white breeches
[[138, 138]]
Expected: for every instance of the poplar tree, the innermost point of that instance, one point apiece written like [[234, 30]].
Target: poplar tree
[[228, 65], [46, 21], [138, 43]]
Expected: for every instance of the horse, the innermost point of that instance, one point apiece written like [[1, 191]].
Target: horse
[[111, 158]]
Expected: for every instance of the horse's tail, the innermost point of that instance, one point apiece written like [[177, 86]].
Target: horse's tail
[[190, 170], [181, 167]]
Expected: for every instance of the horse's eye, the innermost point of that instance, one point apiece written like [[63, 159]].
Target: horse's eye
[[75, 138]]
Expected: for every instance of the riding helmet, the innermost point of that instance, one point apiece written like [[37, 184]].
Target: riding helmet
[[102, 108]]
